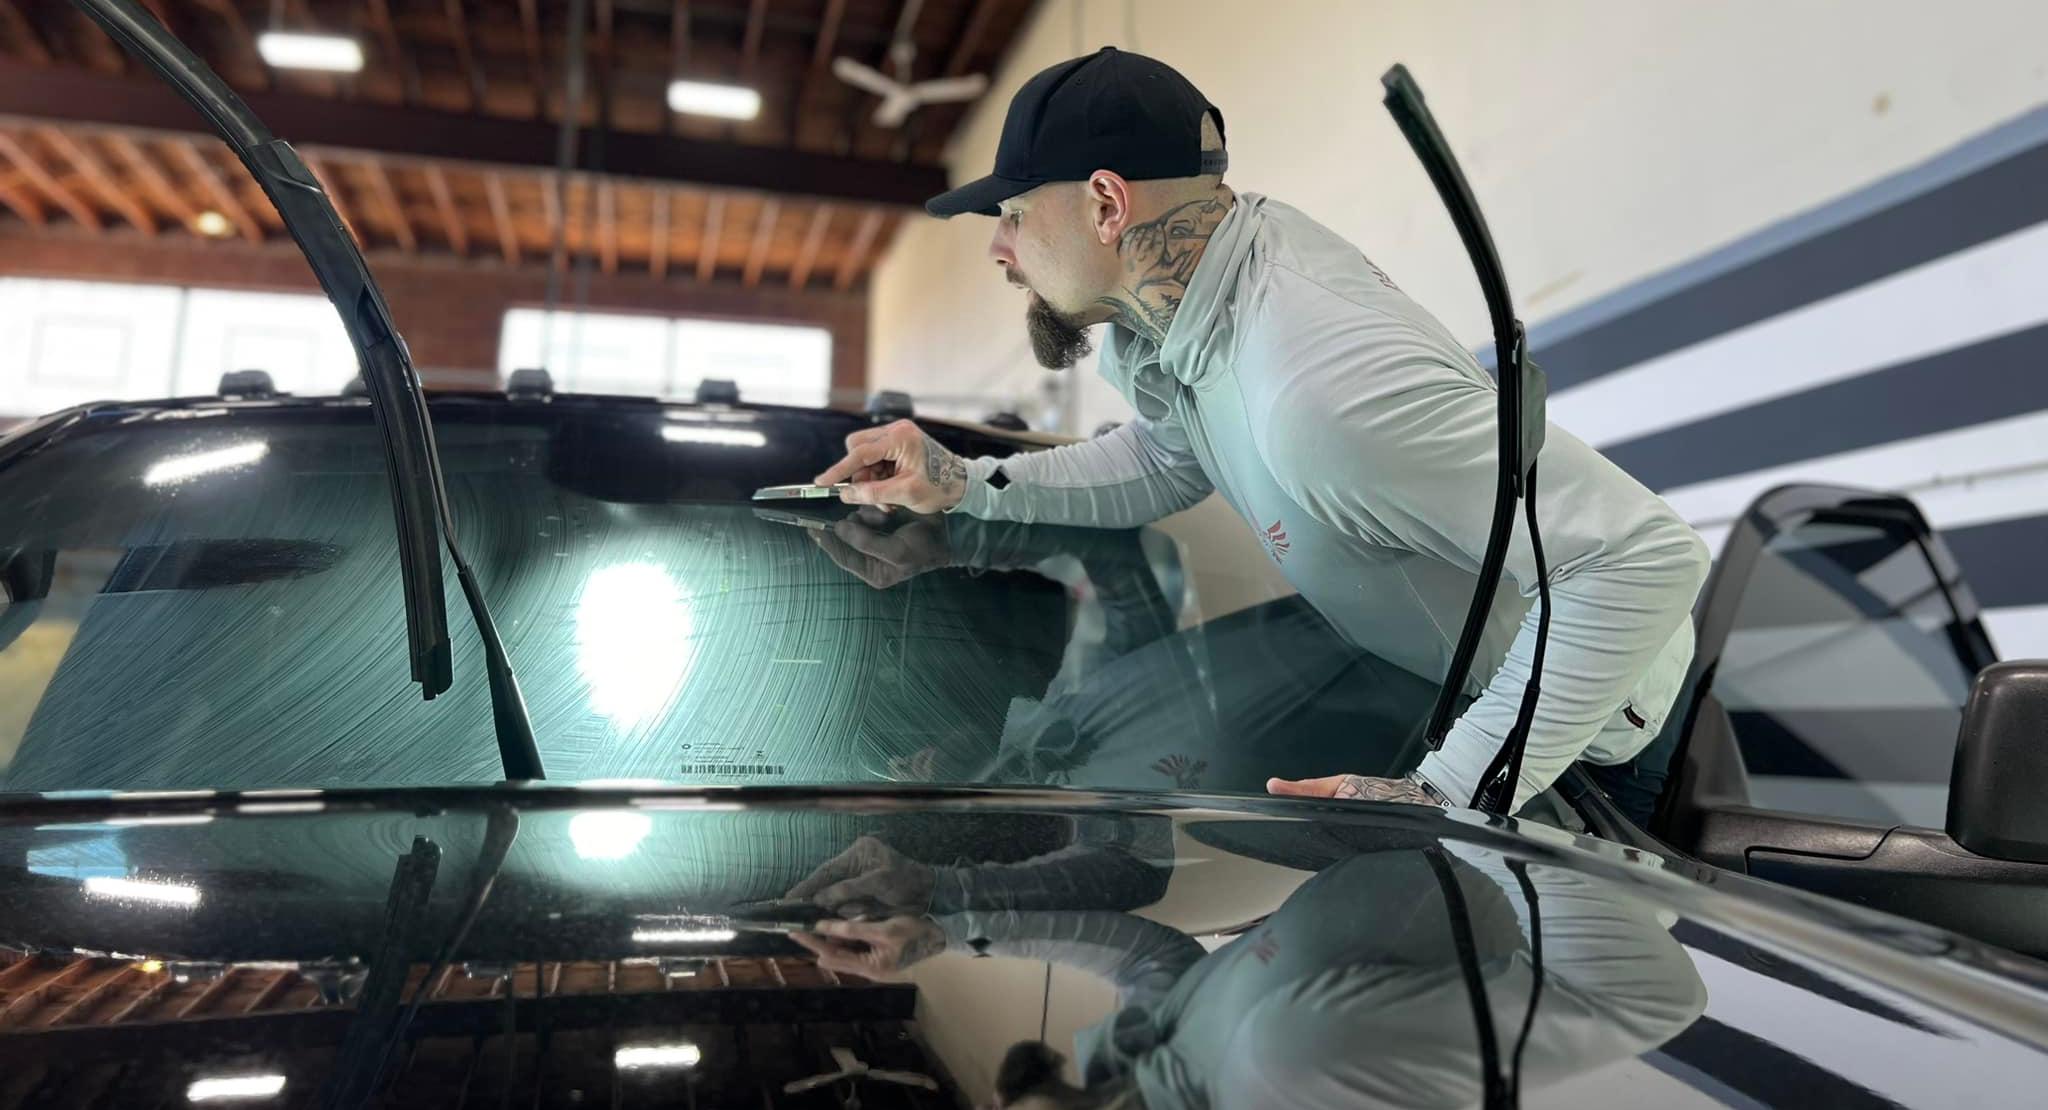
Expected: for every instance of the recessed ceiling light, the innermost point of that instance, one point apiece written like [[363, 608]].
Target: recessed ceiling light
[[699, 98], [212, 224], [296, 50]]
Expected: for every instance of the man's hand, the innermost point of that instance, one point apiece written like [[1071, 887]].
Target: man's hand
[[1360, 788], [873, 949], [868, 879], [897, 464], [884, 559]]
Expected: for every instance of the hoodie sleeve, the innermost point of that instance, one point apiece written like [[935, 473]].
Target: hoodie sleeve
[[1141, 472], [1381, 427]]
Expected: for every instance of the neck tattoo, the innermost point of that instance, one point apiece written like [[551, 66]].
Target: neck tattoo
[[1159, 258]]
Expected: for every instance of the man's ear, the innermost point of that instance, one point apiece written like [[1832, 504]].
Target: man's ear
[[1109, 205]]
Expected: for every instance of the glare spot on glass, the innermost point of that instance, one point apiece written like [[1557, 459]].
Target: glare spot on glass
[[683, 936], [721, 437], [223, 1087], [608, 833], [161, 820], [143, 890], [681, 1054], [633, 640], [179, 468]]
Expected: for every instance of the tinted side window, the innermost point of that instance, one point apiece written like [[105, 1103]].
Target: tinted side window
[[1841, 679]]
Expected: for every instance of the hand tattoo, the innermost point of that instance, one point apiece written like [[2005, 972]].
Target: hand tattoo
[[1363, 789], [942, 468], [1159, 258]]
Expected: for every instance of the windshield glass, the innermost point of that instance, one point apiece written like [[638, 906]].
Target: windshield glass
[[209, 597]]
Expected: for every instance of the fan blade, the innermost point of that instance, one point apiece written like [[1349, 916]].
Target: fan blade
[[950, 89], [847, 1061], [906, 1078], [798, 1086], [864, 77], [895, 108]]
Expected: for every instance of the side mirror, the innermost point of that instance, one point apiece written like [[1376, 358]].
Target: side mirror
[[1995, 803]]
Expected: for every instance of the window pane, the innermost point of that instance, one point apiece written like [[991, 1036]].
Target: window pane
[[65, 343], [1840, 680], [589, 352], [296, 337], [773, 365]]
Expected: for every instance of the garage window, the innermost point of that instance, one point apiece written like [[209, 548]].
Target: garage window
[[657, 356]]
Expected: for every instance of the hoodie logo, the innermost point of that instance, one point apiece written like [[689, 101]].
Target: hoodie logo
[[1274, 539]]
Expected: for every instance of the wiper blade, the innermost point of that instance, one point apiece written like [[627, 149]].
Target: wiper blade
[[419, 498], [1521, 425]]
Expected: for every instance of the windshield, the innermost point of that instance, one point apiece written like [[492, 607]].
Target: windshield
[[209, 597]]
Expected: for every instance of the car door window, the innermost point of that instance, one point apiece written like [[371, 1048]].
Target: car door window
[[1841, 676]]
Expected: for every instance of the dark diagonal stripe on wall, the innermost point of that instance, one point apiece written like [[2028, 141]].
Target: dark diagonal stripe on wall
[[2005, 562], [1985, 381]]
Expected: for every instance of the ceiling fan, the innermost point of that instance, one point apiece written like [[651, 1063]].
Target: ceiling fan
[[901, 95], [853, 1069]]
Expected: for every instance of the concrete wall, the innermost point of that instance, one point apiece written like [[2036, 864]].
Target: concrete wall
[[1607, 139]]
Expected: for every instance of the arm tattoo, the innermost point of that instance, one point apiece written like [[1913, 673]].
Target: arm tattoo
[[942, 468], [1159, 258]]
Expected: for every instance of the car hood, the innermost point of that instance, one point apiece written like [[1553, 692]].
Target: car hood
[[1220, 951]]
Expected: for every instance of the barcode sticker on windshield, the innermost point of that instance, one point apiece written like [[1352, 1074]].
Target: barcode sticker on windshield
[[730, 769]]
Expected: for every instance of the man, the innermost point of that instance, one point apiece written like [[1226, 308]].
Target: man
[[1270, 361]]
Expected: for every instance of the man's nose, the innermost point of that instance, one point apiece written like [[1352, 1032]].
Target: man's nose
[[999, 248]]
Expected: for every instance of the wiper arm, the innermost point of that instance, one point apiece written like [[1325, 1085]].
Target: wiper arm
[[1521, 425], [419, 498]]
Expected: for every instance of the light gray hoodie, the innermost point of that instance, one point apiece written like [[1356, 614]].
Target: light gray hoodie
[[1356, 438]]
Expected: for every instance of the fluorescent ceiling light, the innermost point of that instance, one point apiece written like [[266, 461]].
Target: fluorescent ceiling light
[[722, 437], [608, 834], [699, 98], [222, 1087], [142, 890], [294, 50], [180, 467], [682, 1054], [678, 936], [212, 225]]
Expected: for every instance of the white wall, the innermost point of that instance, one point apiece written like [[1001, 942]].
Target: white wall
[[1606, 139]]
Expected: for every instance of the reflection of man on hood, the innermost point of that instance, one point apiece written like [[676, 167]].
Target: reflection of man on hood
[[1354, 993]]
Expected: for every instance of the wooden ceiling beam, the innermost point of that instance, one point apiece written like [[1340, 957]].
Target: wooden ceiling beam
[[451, 217], [217, 187], [970, 38], [387, 196], [17, 200], [335, 197], [62, 94], [87, 165], [657, 233], [12, 152], [536, 70], [152, 178], [244, 39], [23, 32], [764, 237], [458, 27], [379, 19], [807, 254], [707, 245], [750, 43], [857, 252], [501, 215], [678, 55]]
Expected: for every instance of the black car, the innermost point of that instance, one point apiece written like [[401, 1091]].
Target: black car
[[714, 802]]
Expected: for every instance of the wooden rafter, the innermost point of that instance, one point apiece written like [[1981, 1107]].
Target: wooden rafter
[[501, 215], [856, 254], [821, 60], [335, 197], [607, 227], [458, 26], [764, 237], [401, 228], [970, 37], [807, 254], [379, 18], [25, 33], [536, 71], [245, 41], [451, 217], [11, 151], [707, 246], [750, 45], [17, 200], [152, 178], [217, 187], [678, 53], [657, 235], [551, 191], [87, 165]]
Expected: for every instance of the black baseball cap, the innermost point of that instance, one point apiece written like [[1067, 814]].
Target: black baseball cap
[[1110, 110]]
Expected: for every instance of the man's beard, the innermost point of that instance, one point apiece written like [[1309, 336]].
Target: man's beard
[[1056, 340]]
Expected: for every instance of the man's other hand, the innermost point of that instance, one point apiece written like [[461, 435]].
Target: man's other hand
[[868, 879], [1359, 788], [898, 464], [862, 548], [873, 949]]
